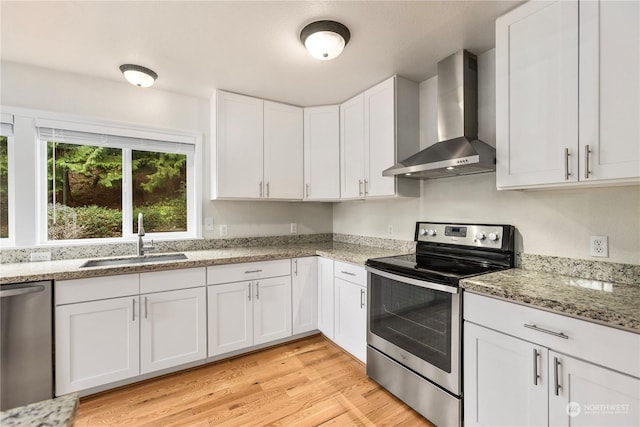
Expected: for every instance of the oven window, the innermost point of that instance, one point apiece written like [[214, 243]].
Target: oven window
[[413, 318]]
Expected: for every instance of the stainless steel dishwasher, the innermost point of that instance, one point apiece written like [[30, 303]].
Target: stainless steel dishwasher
[[26, 343]]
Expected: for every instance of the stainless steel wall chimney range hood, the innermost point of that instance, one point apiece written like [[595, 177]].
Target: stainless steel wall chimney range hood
[[459, 151]]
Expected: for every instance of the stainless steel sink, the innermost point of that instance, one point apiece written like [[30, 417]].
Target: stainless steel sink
[[133, 260]]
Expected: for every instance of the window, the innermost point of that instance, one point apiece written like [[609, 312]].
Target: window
[[6, 178], [97, 184]]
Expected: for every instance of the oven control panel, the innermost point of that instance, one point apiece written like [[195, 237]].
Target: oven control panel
[[489, 236]]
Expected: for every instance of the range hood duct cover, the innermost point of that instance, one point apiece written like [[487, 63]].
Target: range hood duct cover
[[459, 151]]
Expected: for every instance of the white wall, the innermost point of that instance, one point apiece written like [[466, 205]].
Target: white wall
[[48, 90], [554, 222]]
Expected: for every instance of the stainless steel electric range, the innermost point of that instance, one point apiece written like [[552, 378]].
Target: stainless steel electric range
[[414, 318]]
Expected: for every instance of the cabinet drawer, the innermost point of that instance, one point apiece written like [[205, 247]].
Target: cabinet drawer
[[247, 271], [96, 288], [604, 345], [171, 280], [350, 272]]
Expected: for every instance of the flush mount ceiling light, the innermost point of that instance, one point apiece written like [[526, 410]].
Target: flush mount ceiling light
[[138, 75], [325, 39]]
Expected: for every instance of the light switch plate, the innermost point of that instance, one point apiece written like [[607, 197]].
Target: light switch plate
[[208, 223]]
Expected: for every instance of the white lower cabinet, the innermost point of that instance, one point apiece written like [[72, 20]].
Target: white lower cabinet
[[248, 312], [97, 343], [304, 294], [511, 381], [350, 309], [172, 328], [325, 297], [105, 331]]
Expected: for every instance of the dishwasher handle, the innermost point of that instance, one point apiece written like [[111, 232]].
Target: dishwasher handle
[[23, 290]]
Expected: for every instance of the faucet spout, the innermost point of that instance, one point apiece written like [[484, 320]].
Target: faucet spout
[[142, 247]]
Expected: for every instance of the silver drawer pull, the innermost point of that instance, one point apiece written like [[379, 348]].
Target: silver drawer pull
[[348, 273], [536, 375], [547, 331], [556, 382], [252, 271], [361, 298], [567, 174]]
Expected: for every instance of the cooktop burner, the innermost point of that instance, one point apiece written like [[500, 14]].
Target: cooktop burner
[[446, 253]]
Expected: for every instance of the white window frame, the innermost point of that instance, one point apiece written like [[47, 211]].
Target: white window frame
[[194, 213], [6, 129]]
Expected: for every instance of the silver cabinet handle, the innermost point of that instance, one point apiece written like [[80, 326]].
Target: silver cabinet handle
[[257, 290], [361, 298], [360, 187], [536, 375], [260, 185], [21, 291], [366, 187], [348, 273], [587, 155], [556, 382], [307, 190], [295, 264], [253, 271], [547, 331], [133, 311], [567, 174], [267, 188], [146, 309], [249, 285]]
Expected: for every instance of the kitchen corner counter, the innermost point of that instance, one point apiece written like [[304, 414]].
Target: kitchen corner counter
[[70, 269], [58, 412], [610, 304]]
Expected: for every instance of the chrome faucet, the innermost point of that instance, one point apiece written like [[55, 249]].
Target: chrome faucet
[[142, 247]]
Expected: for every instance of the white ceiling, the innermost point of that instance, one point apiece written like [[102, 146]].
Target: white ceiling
[[246, 47]]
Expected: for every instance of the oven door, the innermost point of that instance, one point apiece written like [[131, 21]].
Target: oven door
[[416, 323]]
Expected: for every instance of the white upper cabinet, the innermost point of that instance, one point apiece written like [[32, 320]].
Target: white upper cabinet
[[257, 149], [609, 90], [568, 94], [283, 159], [236, 153], [322, 153], [378, 128], [537, 94]]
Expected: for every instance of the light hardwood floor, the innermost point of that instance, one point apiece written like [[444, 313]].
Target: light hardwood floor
[[309, 382]]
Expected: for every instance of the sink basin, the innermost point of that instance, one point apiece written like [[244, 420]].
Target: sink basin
[[133, 260]]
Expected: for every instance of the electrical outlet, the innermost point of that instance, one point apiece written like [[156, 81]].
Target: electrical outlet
[[40, 256], [390, 230], [294, 227], [600, 246], [208, 223], [223, 230]]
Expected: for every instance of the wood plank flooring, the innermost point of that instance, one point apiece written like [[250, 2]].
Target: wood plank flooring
[[310, 382]]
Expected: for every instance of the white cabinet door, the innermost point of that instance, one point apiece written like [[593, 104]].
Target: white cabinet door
[[96, 343], [173, 329], [304, 294], [350, 324], [322, 153], [283, 158], [537, 94], [325, 297], [589, 395], [238, 156], [609, 89], [380, 138], [505, 379], [352, 148], [230, 317], [271, 309]]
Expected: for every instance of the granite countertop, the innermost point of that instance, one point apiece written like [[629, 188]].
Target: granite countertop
[[58, 412], [607, 303], [70, 269]]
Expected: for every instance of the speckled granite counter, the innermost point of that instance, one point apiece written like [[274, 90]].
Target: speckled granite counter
[[70, 269], [611, 304], [59, 412]]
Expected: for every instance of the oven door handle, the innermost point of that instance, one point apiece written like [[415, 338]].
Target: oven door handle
[[415, 282]]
